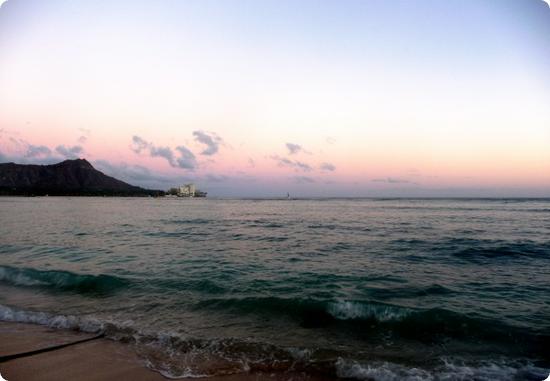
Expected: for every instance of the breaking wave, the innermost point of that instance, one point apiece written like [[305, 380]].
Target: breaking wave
[[89, 325], [175, 356], [346, 310], [447, 370], [61, 280], [372, 318]]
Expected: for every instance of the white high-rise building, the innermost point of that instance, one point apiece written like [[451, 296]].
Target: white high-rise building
[[187, 190]]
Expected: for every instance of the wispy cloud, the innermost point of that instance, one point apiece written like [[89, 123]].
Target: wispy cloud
[[37, 151], [21, 151], [211, 140], [27, 153], [216, 178], [163, 152], [392, 180], [328, 167], [69, 152], [186, 159], [293, 148], [303, 179], [136, 174], [284, 162], [85, 134], [138, 144]]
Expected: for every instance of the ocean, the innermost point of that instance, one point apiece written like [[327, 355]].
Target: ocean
[[367, 289]]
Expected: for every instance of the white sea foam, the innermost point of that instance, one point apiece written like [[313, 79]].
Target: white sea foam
[[198, 359], [17, 278], [345, 310], [488, 371], [300, 354], [84, 324], [449, 371], [380, 372]]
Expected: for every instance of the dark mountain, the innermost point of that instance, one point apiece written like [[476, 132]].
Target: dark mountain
[[70, 177]]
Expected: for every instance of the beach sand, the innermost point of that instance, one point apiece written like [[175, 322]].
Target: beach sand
[[93, 360]]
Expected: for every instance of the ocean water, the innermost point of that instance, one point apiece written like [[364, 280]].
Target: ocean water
[[368, 289]]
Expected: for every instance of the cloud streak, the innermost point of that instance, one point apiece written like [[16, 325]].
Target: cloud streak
[[210, 140], [135, 174], [327, 167], [163, 152], [85, 134], [392, 180], [73, 152], [186, 159], [27, 153], [293, 148], [138, 144], [303, 180], [216, 178], [295, 164], [37, 151]]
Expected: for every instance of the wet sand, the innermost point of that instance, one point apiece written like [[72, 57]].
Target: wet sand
[[93, 360]]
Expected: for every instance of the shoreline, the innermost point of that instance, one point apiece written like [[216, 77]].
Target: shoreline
[[95, 359], [35, 352]]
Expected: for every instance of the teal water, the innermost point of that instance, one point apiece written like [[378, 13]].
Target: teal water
[[354, 288]]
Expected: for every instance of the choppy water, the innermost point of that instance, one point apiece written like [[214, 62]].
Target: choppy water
[[365, 289]]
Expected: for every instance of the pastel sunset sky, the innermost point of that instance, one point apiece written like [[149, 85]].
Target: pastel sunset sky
[[264, 97]]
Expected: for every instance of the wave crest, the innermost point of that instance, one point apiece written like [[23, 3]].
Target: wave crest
[[345, 310], [61, 280], [83, 324], [182, 357], [449, 370]]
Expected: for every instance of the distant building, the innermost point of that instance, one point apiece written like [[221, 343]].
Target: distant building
[[187, 190]]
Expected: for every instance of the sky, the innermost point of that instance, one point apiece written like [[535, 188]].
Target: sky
[[252, 98]]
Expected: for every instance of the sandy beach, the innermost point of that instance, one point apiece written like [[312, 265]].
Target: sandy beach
[[67, 356], [98, 359]]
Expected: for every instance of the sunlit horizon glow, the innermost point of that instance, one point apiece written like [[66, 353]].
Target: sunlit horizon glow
[[315, 98]]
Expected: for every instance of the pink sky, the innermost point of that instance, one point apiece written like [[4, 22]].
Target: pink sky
[[262, 106]]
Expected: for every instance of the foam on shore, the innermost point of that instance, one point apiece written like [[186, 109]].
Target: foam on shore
[[177, 357]]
